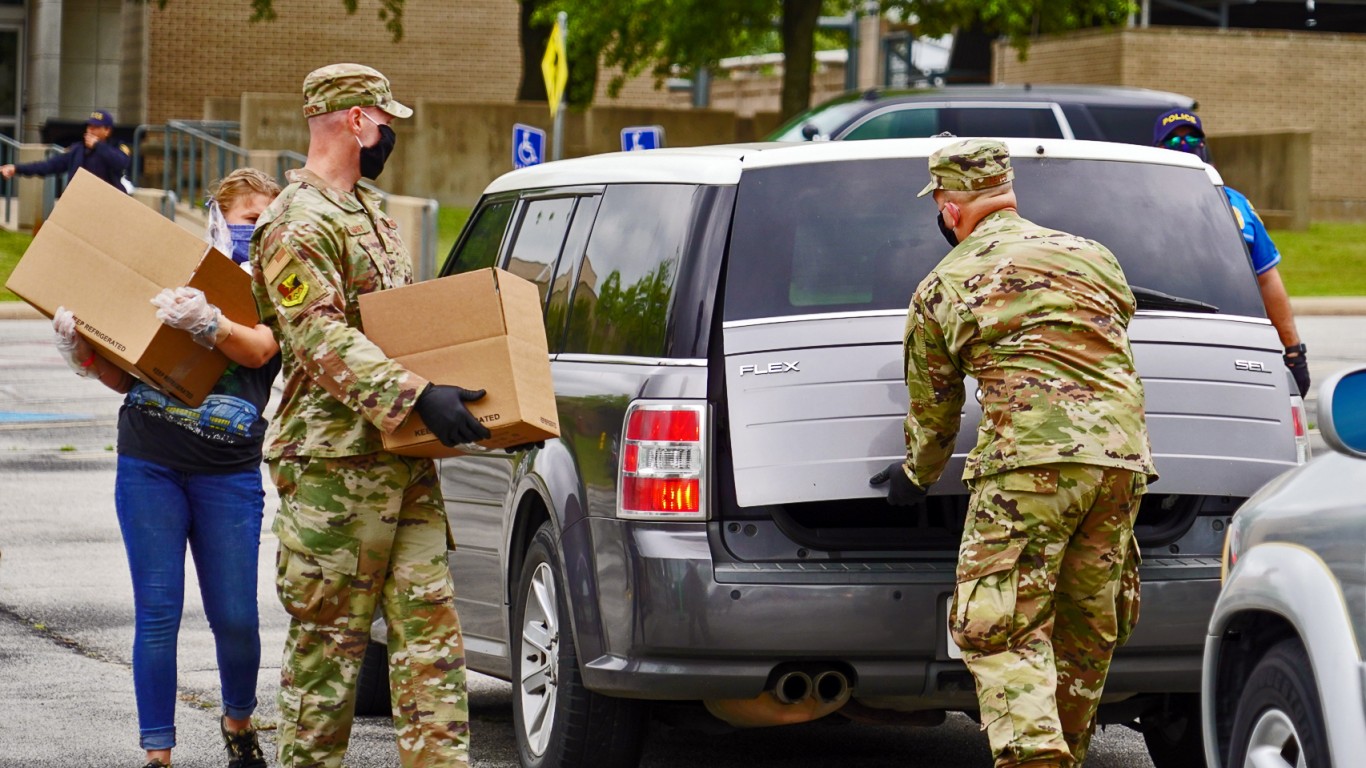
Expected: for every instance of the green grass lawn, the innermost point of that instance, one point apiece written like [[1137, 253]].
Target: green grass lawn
[[12, 245], [449, 222], [1327, 260]]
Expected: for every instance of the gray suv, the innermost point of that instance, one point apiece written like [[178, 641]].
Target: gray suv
[[725, 332]]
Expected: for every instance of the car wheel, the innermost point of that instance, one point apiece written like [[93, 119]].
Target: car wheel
[[372, 684], [1173, 735], [559, 722], [1279, 721]]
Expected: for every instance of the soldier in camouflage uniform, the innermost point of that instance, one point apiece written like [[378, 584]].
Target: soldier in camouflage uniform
[[1047, 581], [357, 526]]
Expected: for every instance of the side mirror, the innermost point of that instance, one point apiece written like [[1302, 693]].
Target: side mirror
[[810, 132], [1342, 412]]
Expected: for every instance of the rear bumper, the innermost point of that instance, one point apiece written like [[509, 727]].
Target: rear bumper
[[670, 624]]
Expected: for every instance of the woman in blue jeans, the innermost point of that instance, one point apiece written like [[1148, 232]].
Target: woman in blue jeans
[[192, 477]]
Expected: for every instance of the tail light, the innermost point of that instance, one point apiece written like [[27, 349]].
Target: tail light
[[663, 462], [1300, 420]]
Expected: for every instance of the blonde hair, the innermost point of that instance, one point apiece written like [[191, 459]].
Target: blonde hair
[[244, 182]]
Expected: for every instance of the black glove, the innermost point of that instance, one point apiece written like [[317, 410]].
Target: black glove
[[1295, 360], [443, 410], [524, 446], [902, 492]]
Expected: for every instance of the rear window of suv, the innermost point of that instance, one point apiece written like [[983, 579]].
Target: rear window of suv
[[852, 236]]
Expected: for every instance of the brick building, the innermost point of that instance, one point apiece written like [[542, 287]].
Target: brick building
[[148, 64], [193, 49]]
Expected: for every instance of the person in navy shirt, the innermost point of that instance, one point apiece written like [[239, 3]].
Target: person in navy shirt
[[1182, 130], [95, 153]]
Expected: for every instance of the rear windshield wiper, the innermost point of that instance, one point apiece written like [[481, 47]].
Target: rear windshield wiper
[[1150, 299]]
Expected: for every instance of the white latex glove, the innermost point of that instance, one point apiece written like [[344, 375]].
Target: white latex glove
[[187, 309], [75, 350]]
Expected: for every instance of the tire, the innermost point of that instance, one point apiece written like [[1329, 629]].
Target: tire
[[1279, 718], [1173, 734], [558, 722], [372, 684]]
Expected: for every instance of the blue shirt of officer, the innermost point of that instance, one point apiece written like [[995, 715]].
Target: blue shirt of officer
[[94, 152]]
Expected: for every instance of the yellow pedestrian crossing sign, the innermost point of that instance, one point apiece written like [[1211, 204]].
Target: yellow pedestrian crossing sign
[[555, 68]]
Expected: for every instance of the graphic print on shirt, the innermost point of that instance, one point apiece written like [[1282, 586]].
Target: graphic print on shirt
[[221, 418]]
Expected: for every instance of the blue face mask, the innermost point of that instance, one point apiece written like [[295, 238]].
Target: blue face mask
[[241, 241]]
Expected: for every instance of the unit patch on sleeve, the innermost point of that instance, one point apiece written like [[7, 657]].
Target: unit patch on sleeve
[[292, 290]]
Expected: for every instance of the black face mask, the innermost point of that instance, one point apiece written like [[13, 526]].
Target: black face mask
[[372, 158], [946, 231]]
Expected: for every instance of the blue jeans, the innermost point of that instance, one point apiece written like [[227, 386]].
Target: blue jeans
[[160, 510]]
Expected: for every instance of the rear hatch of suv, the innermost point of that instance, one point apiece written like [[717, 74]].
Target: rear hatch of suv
[[823, 259]]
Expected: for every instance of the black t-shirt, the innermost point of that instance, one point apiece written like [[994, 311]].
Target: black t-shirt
[[222, 435]]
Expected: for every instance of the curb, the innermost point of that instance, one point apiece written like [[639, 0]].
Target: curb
[[1328, 305], [18, 310]]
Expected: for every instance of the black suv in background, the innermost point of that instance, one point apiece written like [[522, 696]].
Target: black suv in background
[[1097, 113]]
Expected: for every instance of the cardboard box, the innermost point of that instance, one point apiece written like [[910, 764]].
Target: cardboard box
[[479, 330], [103, 255]]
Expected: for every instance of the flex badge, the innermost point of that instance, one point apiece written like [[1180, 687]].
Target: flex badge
[[293, 290]]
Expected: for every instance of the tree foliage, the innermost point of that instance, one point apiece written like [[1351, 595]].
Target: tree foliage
[[668, 35], [390, 12], [1015, 20], [673, 36]]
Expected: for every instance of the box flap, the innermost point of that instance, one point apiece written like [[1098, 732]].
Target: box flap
[[227, 286], [158, 249], [523, 298], [433, 314]]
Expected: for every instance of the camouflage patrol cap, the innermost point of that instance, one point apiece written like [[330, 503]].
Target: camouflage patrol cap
[[969, 165], [342, 86]]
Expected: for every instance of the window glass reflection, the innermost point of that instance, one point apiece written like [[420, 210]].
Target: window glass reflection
[[625, 282]]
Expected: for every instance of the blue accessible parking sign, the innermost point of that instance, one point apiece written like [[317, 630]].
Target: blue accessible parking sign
[[528, 146], [642, 137]]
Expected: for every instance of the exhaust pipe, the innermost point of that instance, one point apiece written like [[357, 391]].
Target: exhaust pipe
[[796, 697], [831, 687], [792, 687]]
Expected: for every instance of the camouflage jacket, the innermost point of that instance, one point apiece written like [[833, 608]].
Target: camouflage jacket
[[315, 251], [1040, 319]]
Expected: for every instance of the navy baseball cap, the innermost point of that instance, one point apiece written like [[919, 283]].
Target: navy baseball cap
[[100, 117], [1174, 119]]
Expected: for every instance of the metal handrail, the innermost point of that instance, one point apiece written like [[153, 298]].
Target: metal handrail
[[53, 185], [197, 156]]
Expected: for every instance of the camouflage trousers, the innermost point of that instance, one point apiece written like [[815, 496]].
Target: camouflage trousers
[[1047, 589], [355, 532]]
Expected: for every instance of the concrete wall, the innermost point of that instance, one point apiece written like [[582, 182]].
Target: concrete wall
[[132, 106], [1246, 81], [1273, 170], [751, 93], [92, 50]]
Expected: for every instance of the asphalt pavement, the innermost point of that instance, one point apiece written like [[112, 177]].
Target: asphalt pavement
[[66, 696]]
